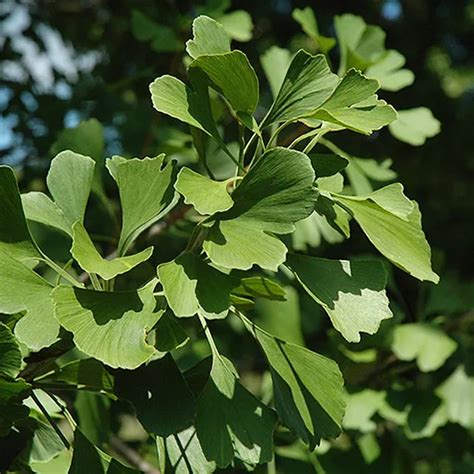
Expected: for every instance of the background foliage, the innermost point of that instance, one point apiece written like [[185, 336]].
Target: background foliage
[[66, 62]]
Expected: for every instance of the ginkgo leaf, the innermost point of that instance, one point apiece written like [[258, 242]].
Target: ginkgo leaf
[[237, 24], [90, 260], [361, 407], [275, 62], [426, 343], [15, 237], [162, 408], [388, 71], [308, 388], [109, 326], [231, 75], [308, 83], [32, 295], [392, 223], [206, 195], [146, 194], [191, 285], [414, 126], [10, 355], [327, 164], [354, 105], [457, 393], [307, 19], [351, 292], [173, 97], [276, 192], [209, 37], [230, 422]]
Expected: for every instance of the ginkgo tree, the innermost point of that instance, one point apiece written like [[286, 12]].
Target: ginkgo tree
[[282, 187]]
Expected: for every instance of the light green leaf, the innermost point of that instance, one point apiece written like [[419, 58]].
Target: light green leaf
[[425, 343], [354, 105], [230, 422], [308, 83], [146, 194], [15, 237], [45, 444], [185, 454], [387, 70], [238, 25], [276, 192], [10, 355], [32, 296], [69, 181], [307, 19], [162, 408], [190, 285], [231, 75], [40, 208], [361, 407], [206, 195], [351, 292], [260, 287], [308, 388], [90, 260], [309, 232], [392, 223], [457, 392], [275, 62], [361, 169], [172, 97], [209, 37], [414, 126], [109, 326]]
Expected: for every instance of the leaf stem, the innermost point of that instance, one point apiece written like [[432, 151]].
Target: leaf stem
[[60, 271], [50, 420], [315, 140], [95, 282], [208, 334], [275, 134], [334, 148], [303, 137]]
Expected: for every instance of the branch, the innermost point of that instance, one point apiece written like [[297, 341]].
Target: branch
[[132, 456]]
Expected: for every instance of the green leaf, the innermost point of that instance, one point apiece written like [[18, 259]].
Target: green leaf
[[86, 374], [307, 19], [361, 169], [311, 231], [260, 287], [45, 444], [392, 222], [457, 392], [32, 296], [172, 97], [162, 408], [146, 194], [109, 326], [387, 70], [206, 195], [308, 83], [327, 164], [308, 388], [87, 456], [12, 393], [185, 454], [15, 237], [169, 334], [93, 412], [10, 355], [231, 75], [230, 422], [69, 181], [414, 126], [354, 105], [190, 285], [424, 342], [275, 62], [361, 407], [209, 37], [351, 292], [237, 24], [276, 192], [90, 260]]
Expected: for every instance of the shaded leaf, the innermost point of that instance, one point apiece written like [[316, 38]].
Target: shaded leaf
[[230, 422], [327, 164], [10, 355], [351, 292], [109, 326]]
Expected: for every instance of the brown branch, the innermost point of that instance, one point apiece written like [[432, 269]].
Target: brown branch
[[131, 456]]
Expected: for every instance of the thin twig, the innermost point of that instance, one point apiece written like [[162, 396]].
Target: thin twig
[[131, 456]]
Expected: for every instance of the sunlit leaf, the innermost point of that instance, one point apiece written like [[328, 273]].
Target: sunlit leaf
[[414, 126], [275, 62], [209, 37]]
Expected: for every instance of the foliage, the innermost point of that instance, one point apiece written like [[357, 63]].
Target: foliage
[[135, 328]]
